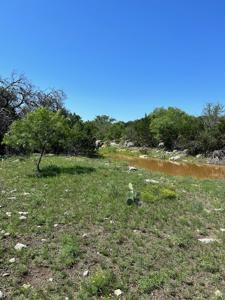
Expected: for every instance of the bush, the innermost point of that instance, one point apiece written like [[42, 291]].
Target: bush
[[101, 283], [167, 193], [69, 250], [154, 281]]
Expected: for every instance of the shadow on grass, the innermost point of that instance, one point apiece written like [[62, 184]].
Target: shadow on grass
[[53, 170]]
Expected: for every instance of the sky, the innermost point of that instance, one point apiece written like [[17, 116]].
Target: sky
[[121, 58]]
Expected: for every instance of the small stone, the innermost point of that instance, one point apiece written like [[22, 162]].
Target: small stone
[[44, 240], [118, 292], [84, 235], [56, 225], [218, 209], [12, 198], [218, 293], [22, 218], [1, 295], [152, 181], [12, 260], [131, 169], [206, 240], [2, 231], [19, 246], [50, 279], [25, 213], [26, 286], [222, 229], [85, 273], [8, 214], [6, 234], [5, 274]]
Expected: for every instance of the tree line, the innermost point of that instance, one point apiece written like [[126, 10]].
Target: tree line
[[35, 120]]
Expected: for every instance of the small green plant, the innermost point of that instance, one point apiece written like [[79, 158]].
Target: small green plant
[[99, 284], [148, 196], [154, 281], [69, 250], [168, 193]]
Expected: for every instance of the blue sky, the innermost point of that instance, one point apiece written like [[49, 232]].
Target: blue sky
[[118, 57]]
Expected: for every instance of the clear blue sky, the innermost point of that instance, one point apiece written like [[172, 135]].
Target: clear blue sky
[[118, 57]]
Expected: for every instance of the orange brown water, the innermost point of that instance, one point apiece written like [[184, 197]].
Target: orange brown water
[[176, 168]]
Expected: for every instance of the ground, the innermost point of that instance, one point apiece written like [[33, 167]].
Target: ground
[[77, 219]]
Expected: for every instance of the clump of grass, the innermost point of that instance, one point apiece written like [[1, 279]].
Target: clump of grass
[[153, 281], [69, 250], [167, 193], [148, 196], [99, 284]]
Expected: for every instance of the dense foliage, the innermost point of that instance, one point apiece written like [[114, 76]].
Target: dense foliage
[[171, 127]]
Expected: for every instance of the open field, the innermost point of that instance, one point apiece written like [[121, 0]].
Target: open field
[[84, 242]]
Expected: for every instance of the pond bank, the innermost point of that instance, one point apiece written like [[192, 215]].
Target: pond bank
[[201, 171]]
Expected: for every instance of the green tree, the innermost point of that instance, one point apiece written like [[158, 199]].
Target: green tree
[[38, 131], [170, 125], [138, 132]]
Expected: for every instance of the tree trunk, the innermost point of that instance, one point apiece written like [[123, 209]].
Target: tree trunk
[[39, 160]]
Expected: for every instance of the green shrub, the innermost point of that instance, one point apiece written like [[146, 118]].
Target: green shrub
[[153, 281], [168, 193], [101, 283], [69, 250], [148, 196]]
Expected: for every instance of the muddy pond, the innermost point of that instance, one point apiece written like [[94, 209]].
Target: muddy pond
[[201, 171]]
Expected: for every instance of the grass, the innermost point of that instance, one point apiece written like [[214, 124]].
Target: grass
[[152, 153], [78, 219]]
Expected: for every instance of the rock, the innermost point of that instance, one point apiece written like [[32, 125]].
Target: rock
[[222, 229], [131, 169], [143, 156], [218, 293], [19, 246], [44, 240], [50, 279], [22, 217], [199, 156], [85, 273], [85, 235], [207, 240], [5, 274], [26, 286], [152, 181], [6, 234], [1, 295], [8, 214], [161, 145], [174, 158], [118, 292], [12, 260], [23, 213], [219, 154], [218, 209], [98, 143], [129, 144], [56, 225], [25, 194]]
